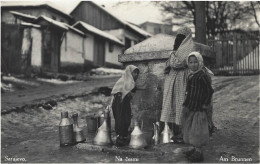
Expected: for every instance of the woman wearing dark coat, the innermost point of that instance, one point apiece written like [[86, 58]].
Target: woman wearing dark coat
[[122, 94]]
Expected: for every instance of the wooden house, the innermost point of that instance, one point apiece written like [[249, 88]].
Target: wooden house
[[101, 48], [33, 8], [97, 16], [37, 44]]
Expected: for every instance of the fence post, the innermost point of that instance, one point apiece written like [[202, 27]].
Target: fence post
[[234, 55]]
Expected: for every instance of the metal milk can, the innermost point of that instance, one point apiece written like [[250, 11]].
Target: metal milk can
[[137, 139], [156, 135], [166, 134], [65, 130], [77, 131], [103, 136]]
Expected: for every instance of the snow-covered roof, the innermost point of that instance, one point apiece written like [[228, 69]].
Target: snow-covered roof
[[74, 29], [54, 22], [97, 31], [33, 4], [60, 24], [155, 22], [23, 15], [135, 28], [30, 24], [141, 31]]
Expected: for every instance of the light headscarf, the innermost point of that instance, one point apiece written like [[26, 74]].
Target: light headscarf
[[126, 83], [201, 63], [186, 47]]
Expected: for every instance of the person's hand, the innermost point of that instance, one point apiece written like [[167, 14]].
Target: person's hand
[[185, 110], [167, 70]]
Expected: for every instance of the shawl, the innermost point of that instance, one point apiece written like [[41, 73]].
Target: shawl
[[126, 83], [201, 63], [175, 81]]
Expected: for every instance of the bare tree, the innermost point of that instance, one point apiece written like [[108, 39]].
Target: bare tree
[[220, 15], [255, 7]]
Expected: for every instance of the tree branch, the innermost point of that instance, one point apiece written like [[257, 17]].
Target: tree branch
[[252, 5]]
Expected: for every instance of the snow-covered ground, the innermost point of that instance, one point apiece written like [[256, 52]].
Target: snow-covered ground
[[106, 71], [57, 81]]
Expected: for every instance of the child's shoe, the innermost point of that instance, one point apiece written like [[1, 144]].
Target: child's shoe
[[189, 152], [196, 156]]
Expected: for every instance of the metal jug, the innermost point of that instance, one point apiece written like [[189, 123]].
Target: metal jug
[[166, 134], [65, 130], [103, 136], [92, 123], [156, 135], [77, 132], [137, 139]]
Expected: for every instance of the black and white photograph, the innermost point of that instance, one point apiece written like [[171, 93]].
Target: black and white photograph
[[117, 81]]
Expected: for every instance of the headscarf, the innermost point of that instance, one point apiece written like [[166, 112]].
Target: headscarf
[[184, 31], [185, 48], [200, 60], [201, 63], [126, 83]]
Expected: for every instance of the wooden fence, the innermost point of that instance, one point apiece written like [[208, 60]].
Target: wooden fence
[[236, 56]]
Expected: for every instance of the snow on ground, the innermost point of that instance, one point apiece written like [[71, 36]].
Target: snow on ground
[[57, 81], [20, 81], [107, 71]]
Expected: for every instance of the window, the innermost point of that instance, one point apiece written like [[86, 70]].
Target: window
[[111, 47], [127, 43], [157, 30]]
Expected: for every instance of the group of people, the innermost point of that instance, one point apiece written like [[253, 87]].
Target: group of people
[[187, 97]]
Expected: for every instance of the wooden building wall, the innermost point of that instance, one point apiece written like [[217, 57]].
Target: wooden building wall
[[88, 12], [12, 36], [7, 17]]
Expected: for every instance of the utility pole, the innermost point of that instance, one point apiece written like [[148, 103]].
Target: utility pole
[[200, 28]]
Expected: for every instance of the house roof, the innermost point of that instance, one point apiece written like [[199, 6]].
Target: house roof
[[134, 28], [97, 31], [23, 15], [61, 25], [34, 4], [55, 23], [155, 22], [30, 25]]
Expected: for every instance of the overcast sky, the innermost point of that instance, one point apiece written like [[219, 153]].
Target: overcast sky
[[135, 11]]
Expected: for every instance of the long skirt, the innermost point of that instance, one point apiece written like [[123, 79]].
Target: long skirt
[[195, 127], [173, 96], [122, 114]]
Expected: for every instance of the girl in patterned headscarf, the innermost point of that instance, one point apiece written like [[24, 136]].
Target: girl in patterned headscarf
[[122, 95], [176, 74], [196, 104]]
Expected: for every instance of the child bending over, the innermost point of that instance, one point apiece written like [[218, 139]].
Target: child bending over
[[122, 94]]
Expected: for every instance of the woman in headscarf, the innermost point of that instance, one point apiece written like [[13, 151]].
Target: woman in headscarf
[[176, 74], [122, 94], [197, 101]]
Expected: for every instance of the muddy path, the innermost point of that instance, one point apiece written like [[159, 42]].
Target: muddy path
[[32, 134], [42, 92]]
